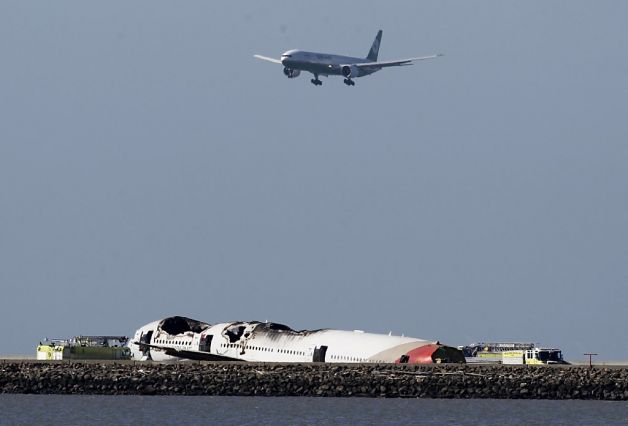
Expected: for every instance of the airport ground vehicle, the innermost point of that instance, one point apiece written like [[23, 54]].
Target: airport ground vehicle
[[533, 356], [84, 347], [511, 353]]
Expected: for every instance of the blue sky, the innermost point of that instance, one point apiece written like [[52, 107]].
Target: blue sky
[[149, 166]]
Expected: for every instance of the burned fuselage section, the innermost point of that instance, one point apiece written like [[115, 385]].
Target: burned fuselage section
[[183, 338], [170, 339], [242, 331], [179, 325]]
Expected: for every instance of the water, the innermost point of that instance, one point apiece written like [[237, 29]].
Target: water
[[189, 410]]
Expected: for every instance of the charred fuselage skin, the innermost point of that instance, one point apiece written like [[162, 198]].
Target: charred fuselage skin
[[177, 338]]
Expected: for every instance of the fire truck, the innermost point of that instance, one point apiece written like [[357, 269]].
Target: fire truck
[[511, 353], [533, 356]]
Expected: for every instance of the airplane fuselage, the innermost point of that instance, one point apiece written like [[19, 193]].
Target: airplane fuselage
[[324, 64], [171, 339]]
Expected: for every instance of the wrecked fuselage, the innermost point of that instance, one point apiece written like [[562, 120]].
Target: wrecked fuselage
[[176, 338]]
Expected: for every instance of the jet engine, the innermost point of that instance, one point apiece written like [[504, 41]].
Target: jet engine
[[350, 71], [290, 73]]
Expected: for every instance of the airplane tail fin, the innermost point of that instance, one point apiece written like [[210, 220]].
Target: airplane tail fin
[[372, 56]]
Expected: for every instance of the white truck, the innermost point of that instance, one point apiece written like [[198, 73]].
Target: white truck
[[533, 356]]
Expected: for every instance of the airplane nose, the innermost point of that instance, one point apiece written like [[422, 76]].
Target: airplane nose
[[286, 59]]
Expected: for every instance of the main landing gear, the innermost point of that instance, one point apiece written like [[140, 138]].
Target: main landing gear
[[349, 82], [315, 81]]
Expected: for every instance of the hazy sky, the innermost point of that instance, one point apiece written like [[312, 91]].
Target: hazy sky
[[149, 166]]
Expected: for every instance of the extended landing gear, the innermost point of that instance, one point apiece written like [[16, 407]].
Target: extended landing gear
[[315, 81], [349, 82]]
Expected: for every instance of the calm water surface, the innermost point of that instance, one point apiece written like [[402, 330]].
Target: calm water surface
[[139, 410]]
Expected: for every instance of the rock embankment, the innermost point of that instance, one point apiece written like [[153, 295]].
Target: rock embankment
[[365, 380]]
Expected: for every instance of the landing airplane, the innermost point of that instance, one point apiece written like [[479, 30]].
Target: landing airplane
[[295, 61], [180, 338]]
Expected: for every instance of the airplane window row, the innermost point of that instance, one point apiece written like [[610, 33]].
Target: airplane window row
[[351, 358], [262, 349], [250, 348], [257, 348], [176, 342], [286, 351]]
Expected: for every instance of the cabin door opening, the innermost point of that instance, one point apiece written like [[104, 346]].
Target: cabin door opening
[[206, 343], [319, 354], [145, 338]]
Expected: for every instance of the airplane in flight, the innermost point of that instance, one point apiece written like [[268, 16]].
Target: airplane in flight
[[324, 64], [180, 338]]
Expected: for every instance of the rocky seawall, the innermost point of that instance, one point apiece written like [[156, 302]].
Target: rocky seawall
[[362, 380]]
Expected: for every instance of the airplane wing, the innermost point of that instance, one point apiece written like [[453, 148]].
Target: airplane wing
[[399, 62], [187, 354], [266, 58]]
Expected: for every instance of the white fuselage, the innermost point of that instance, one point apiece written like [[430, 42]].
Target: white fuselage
[[341, 346], [267, 342]]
